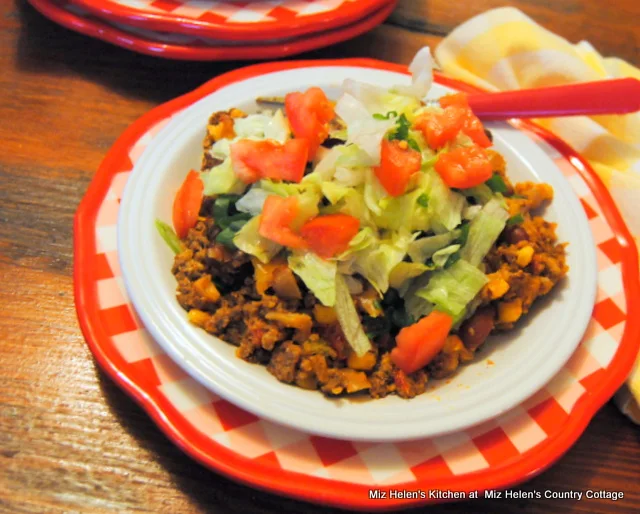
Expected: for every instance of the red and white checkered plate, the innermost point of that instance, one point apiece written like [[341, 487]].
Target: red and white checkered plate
[[240, 20], [198, 46], [499, 453]]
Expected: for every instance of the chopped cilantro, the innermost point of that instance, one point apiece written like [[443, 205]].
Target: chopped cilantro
[[496, 184], [515, 220], [423, 200]]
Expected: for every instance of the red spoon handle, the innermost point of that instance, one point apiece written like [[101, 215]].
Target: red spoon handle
[[615, 96]]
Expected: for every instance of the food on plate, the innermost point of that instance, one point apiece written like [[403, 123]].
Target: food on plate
[[362, 246]]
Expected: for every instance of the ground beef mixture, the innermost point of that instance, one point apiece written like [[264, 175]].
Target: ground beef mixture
[[299, 340], [273, 320]]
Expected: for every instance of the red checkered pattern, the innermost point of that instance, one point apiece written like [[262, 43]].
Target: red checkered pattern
[[253, 13], [173, 38], [496, 442], [234, 12]]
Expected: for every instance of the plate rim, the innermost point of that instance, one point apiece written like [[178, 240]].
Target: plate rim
[[317, 489], [103, 31], [306, 25]]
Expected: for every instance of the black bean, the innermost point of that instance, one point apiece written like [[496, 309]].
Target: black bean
[[514, 234]]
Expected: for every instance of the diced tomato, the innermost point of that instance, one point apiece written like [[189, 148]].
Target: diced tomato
[[309, 114], [186, 205], [418, 344], [472, 126], [275, 221], [402, 358], [253, 160], [456, 117], [397, 163], [440, 128], [459, 99], [330, 234], [464, 167]]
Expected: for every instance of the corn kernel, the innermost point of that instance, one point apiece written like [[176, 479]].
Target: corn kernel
[[452, 344], [302, 323], [497, 288], [216, 131], [524, 256], [264, 274], [355, 381], [197, 317], [466, 355], [324, 315], [206, 288], [285, 284], [306, 380], [364, 363], [510, 312]]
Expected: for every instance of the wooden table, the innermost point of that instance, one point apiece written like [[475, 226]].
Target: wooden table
[[70, 440]]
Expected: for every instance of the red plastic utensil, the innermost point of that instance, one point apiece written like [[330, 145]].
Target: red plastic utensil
[[615, 96]]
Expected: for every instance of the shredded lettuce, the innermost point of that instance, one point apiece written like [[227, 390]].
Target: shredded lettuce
[[445, 205], [308, 195], [484, 230], [365, 238], [376, 262], [349, 319], [326, 167], [278, 128], [253, 201], [374, 194], [355, 286], [414, 305], [319, 275], [441, 257], [362, 128], [338, 133], [222, 180], [470, 211], [378, 100], [421, 69], [354, 205], [453, 288], [334, 192], [352, 156], [284, 189], [307, 207], [417, 307], [249, 240], [480, 193], [404, 272], [262, 126], [221, 149], [350, 177], [421, 249], [343, 163], [405, 211]]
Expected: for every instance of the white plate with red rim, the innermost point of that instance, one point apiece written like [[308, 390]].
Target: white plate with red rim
[[512, 368]]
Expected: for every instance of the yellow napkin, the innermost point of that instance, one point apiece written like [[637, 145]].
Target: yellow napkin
[[505, 49]]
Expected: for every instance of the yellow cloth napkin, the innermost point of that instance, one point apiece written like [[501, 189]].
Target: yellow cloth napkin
[[505, 49]]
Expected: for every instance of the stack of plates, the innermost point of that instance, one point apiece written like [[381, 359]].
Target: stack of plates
[[209, 30]]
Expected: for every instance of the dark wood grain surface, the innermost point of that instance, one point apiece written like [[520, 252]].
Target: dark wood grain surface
[[70, 441]]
